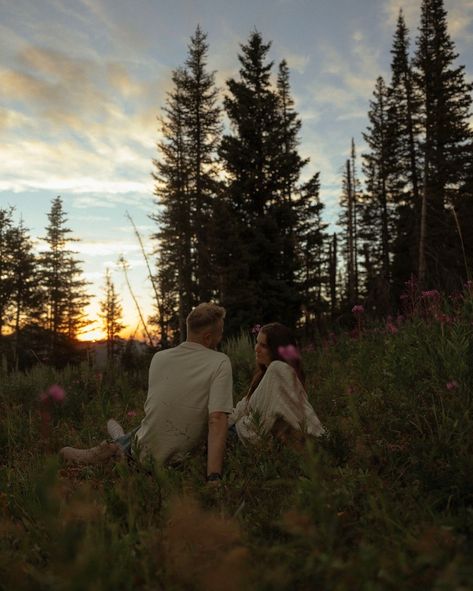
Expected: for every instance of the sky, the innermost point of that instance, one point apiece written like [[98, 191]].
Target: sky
[[82, 82]]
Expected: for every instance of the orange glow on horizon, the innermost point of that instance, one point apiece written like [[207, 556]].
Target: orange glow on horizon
[[94, 334]]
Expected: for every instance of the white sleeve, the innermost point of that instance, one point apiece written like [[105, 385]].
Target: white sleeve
[[221, 388]]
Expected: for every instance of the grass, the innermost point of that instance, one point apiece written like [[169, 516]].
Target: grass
[[385, 502]]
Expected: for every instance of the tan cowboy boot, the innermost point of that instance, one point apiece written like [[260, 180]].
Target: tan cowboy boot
[[95, 455]]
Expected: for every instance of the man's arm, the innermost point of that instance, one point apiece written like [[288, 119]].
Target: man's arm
[[218, 427]]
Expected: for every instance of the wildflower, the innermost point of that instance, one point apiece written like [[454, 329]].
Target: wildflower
[[452, 385], [358, 309], [350, 390], [256, 328], [390, 326], [431, 294], [289, 353], [55, 392], [131, 413]]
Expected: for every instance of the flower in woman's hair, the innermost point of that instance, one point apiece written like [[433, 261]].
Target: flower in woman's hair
[[256, 328], [358, 309], [289, 353]]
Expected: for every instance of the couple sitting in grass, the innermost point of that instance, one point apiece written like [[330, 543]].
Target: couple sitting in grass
[[190, 397]]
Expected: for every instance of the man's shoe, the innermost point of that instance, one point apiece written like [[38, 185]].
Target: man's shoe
[[115, 430], [95, 455]]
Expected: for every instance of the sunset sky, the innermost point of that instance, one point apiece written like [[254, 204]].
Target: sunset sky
[[81, 83]]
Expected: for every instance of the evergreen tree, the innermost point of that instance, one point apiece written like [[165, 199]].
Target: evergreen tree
[[19, 292], [289, 210], [6, 265], [111, 314], [262, 165], [312, 277], [447, 137], [62, 284], [173, 199], [404, 105], [346, 221], [383, 186], [27, 296], [202, 125], [186, 184]]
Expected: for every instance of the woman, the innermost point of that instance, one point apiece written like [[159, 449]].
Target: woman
[[276, 401]]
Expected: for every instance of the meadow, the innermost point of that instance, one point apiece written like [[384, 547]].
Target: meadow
[[384, 502]]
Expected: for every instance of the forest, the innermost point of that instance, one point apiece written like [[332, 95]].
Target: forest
[[236, 224]]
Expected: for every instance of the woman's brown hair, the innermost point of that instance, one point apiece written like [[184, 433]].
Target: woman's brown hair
[[277, 335]]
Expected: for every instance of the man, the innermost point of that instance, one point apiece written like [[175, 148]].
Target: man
[[189, 396]]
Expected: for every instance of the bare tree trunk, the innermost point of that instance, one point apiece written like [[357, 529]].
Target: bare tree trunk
[[333, 275], [423, 224]]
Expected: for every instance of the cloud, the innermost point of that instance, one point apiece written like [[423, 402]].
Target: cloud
[[459, 17], [411, 10], [297, 61], [105, 248]]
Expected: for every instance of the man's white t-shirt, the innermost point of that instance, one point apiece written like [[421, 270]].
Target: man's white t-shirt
[[186, 383]]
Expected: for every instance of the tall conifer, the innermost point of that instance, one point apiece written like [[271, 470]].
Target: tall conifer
[[447, 137]]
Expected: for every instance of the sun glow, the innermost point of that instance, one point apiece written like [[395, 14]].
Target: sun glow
[[94, 334]]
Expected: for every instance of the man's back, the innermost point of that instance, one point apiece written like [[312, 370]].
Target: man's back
[[186, 383]]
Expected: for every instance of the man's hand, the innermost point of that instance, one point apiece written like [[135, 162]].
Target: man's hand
[[218, 428]]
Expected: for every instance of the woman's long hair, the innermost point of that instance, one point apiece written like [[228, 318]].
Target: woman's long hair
[[277, 336]]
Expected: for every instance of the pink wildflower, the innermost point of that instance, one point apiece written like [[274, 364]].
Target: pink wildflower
[[358, 309], [289, 353], [54, 392], [390, 326], [256, 328], [131, 413], [431, 294], [452, 385]]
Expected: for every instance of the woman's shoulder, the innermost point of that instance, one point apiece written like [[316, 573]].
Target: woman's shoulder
[[280, 368]]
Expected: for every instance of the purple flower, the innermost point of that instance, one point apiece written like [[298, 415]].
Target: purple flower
[[289, 353], [391, 327], [256, 328], [358, 309], [431, 294], [54, 392]]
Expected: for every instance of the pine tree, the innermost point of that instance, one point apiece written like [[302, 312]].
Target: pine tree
[[6, 265], [289, 210], [27, 297], [347, 222], [63, 287], [312, 277], [187, 184], [111, 314], [173, 199], [447, 137], [383, 186], [262, 165], [332, 273], [202, 127], [19, 292], [404, 104]]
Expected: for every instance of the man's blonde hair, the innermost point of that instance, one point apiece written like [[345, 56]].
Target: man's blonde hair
[[204, 316]]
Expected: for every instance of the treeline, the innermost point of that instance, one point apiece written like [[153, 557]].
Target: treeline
[[43, 294], [237, 224]]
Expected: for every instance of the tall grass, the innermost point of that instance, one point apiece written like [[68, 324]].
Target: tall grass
[[384, 501]]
